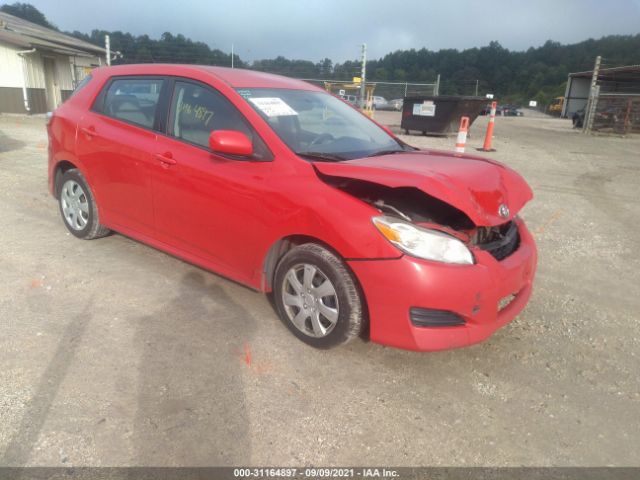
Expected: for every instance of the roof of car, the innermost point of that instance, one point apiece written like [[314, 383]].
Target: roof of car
[[234, 77]]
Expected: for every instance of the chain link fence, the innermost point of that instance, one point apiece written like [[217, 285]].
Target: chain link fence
[[613, 106], [617, 114]]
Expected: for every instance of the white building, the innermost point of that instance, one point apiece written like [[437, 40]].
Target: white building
[[40, 67]]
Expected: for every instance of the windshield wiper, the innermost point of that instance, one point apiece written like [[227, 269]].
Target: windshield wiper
[[323, 157], [388, 152]]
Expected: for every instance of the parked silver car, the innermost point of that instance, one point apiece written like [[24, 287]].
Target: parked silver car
[[395, 105], [379, 103]]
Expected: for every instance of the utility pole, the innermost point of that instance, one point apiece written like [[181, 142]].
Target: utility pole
[[107, 46], [477, 87], [363, 76], [232, 55], [593, 98], [436, 90]]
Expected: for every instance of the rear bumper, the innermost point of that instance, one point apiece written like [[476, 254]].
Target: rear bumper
[[473, 292]]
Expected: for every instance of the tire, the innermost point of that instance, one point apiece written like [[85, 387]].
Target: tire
[[78, 206], [326, 314]]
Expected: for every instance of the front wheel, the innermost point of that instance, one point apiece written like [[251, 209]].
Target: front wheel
[[317, 297]]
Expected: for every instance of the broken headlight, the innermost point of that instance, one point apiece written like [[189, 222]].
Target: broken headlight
[[422, 242]]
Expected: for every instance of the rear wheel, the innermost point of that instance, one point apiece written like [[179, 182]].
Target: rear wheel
[[317, 297], [78, 207]]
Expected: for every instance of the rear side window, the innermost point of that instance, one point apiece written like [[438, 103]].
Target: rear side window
[[133, 100]]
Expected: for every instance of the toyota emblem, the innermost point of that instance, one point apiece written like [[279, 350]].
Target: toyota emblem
[[503, 211]]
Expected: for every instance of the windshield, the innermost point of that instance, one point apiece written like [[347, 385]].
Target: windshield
[[319, 126]]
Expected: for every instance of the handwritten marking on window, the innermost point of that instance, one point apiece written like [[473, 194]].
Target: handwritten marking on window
[[198, 111]]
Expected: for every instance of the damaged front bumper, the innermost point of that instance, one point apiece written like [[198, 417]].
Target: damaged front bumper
[[484, 296]]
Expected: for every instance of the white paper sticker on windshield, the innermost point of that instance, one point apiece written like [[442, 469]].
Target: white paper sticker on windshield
[[273, 107]]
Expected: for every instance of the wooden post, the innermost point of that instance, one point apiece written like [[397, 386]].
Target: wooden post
[[593, 98], [627, 117]]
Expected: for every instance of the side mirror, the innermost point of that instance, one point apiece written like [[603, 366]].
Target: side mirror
[[230, 142]]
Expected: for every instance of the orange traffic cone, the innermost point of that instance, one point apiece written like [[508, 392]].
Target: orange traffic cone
[[489, 136]]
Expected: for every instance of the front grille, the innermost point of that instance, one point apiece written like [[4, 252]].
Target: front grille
[[500, 241]]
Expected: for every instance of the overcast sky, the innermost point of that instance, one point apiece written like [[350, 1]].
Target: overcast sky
[[315, 29]]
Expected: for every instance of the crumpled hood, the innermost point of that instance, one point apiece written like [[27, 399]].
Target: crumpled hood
[[475, 185]]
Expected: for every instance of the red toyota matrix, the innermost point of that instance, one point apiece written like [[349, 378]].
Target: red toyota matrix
[[283, 187]]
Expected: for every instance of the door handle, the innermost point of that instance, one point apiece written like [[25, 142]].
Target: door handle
[[165, 158], [89, 131]]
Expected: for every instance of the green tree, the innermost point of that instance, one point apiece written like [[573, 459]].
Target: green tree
[[535, 74], [325, 68], [28, 12]]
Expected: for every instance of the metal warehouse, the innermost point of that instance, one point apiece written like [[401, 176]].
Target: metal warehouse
[[40, 67], [615, 99]]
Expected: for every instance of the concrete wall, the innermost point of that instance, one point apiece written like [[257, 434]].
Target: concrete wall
[[12, 100]]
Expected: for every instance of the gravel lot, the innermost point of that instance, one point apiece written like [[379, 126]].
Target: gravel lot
[[113, 353]]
